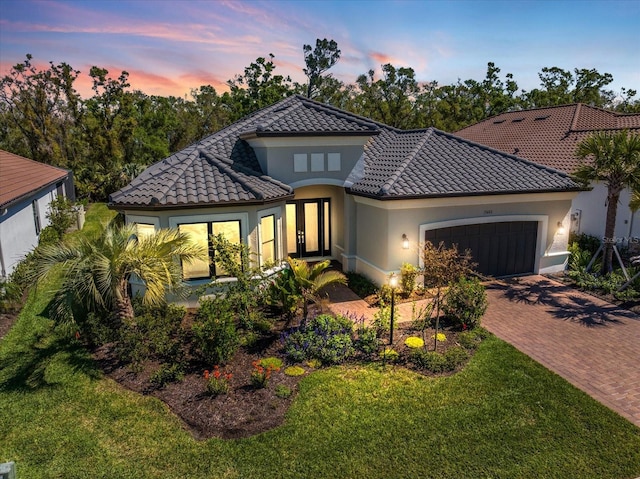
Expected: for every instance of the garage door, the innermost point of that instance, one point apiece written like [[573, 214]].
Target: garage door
[[500, 249]]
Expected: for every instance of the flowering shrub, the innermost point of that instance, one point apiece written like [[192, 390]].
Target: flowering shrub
[[217, 381], [260, 375], [274, 363], [414, 342], [325, 337]]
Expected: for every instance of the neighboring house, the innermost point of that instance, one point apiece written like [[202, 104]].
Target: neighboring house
[[26, 189], [308, 180], [549, 136]]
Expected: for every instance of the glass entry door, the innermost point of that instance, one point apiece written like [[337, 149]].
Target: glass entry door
[[308, 228]]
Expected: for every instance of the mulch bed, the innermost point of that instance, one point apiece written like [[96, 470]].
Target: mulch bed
[[245, 411]]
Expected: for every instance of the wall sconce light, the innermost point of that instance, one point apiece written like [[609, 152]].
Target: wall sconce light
[[405, 241], [561, 229]]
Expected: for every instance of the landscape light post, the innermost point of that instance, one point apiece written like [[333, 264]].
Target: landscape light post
[[393, 283]]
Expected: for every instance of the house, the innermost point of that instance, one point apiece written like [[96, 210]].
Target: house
[[549, 136], [304, 179], [27, 188]]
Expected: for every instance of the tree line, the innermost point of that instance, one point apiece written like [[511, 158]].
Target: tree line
[[110, 137]]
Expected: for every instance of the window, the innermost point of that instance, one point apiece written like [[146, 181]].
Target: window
[[143, 230], [36, 216], [267, 239], [333, 162], [201, 234], [317, 161], [300, 162]]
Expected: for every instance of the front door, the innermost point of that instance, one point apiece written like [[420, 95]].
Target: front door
[[308, 228]]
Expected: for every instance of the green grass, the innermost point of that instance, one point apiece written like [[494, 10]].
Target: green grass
[[503, 416]]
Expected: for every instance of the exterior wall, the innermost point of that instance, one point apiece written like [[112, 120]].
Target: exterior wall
[[276, 157], [381, 225], [18, 234], [248, 215], [590, 212]]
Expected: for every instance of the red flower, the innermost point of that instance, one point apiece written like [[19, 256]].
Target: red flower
[[77, 334], [206, 374]]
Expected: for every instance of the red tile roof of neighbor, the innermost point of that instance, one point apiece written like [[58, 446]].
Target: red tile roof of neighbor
[[548, 136], [20, 176]]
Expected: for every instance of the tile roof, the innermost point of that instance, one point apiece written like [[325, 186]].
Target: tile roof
[[21, 176], [223, 169], [431, 163], [548, 136]]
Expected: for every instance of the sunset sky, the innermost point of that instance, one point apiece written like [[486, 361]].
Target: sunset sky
[[169, 47]]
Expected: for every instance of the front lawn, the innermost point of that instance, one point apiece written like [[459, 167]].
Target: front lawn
[[503, 415]]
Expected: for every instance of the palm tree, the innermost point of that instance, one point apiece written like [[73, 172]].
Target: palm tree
[[614, 159], [310, 279], [96, 272], [634, 202]]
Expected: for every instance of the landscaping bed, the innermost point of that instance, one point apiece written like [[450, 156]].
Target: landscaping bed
[[246, 410]]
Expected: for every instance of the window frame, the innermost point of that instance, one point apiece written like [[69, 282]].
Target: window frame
[[241, 218]]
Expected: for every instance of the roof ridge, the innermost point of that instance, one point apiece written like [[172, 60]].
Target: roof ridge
[[403, 166], [180, 167], [576, 115], [233, 171]]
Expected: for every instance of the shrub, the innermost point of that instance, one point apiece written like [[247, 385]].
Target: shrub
[[384, 294], [10, 296], [429, 360], [167, 373], [408, 273], [361, 285], [469, 339], [272, 362], [466, 302], [367, 341], [414, 342], [215, 336], [382, 319], [325, 337], [294, 371], [61, 215], [455, 356], [161, 328], [283, 391], [389, 354], [217, 381], [48, 236]]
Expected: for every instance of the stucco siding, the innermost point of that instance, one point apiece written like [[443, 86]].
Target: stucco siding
[[592, 209], [18, 235], [380, 229]]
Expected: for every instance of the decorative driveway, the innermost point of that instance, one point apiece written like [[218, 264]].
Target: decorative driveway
[[591, 343]]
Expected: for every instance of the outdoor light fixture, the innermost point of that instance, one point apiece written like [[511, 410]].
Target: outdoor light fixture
[[405, 241], [560, 228], [393, 284]]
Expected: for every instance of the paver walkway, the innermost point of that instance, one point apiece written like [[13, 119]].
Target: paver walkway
[[589, 342]]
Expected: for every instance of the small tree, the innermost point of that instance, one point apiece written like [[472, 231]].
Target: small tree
[[310, 279], [441, 266], [96, 272]]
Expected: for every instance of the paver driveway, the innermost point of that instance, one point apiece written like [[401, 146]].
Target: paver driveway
[[591, 343]]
